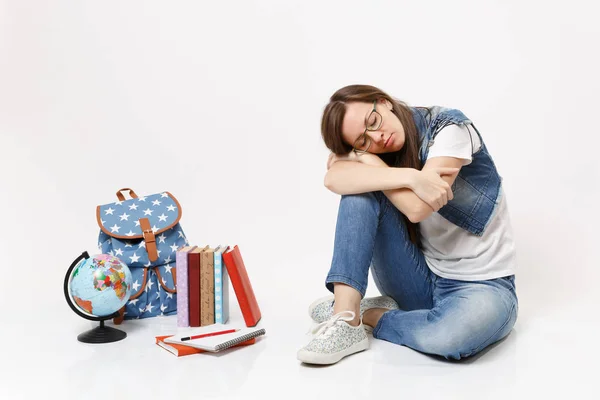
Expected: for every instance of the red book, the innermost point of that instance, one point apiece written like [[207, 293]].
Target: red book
[[194, 286], [241, 285]]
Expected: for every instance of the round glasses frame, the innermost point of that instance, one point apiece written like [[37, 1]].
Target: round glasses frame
[[364, 137]]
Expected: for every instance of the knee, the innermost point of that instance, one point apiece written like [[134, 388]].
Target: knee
[[450, 345], [359, 198], [359, 202], [463, 334]]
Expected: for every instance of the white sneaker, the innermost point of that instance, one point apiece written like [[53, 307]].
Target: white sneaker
[[322, 309], [334, 339]]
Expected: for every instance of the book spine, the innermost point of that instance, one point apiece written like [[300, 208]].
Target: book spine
[[194, 288], [207, 289], [181, 266], [225, 290], [221, 282]]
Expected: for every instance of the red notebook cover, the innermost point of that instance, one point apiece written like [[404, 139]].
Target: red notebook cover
[[180, 350], [194, 286], [241, 285]]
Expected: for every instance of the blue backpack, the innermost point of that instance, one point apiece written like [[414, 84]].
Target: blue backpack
[[144, 232]]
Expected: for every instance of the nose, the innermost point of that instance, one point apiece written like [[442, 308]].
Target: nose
[[376, 136]]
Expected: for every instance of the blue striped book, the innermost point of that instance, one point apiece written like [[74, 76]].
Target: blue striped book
[[221, 287]]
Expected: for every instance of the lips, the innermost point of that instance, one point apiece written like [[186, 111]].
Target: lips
[[388, 140]]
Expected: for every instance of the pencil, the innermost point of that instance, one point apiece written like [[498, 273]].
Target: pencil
[[208, 334]]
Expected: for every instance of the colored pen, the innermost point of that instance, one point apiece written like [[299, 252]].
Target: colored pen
[[208, 334]]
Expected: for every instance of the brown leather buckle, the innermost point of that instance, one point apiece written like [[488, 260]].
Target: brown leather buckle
[[149, 236]]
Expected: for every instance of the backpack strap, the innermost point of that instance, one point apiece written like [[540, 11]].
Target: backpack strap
[[119, 319], [149, 238]]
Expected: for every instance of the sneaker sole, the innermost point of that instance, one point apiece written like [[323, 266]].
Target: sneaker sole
[[310, 357], [316, 303]]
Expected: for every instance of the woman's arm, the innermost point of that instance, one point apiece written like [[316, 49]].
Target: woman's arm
[[353, 174], [418, 210], [351, 177], [409, 204]]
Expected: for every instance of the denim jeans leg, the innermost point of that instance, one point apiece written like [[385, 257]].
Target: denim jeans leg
[[355, 231], [466, 318], [399, 267], [370, 231]]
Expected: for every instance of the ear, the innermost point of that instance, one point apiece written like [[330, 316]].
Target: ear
[[387, 103]]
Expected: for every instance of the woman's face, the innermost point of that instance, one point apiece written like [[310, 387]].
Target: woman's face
[[388, 137]]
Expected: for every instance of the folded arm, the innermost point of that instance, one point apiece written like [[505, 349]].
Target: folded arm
[[352, 177], [368, 173], [419, 209]]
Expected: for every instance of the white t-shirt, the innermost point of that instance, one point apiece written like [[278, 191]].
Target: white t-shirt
[[454, 253]]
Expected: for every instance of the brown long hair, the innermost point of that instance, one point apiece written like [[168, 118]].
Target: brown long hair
[[331, 131]]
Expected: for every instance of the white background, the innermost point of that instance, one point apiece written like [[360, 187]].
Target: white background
[[220, 103]]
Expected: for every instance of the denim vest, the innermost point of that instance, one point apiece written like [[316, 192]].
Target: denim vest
[[477, 187]]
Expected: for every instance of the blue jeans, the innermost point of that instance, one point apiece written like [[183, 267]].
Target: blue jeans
[[445, 317]]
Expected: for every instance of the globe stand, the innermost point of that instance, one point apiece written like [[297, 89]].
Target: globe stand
[[101, 333]]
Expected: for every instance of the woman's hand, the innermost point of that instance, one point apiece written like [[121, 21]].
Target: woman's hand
[[367, 158], [431, 188], [370, 159], [333, 158]]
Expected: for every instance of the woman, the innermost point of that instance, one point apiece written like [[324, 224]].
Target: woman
[[422, 205]]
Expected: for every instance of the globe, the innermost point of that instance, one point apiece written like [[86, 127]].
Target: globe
[[100, 285]]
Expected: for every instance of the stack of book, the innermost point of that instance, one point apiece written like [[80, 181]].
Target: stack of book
[[202, 277]]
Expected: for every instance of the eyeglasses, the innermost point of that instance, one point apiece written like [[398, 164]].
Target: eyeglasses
[[372, 123]]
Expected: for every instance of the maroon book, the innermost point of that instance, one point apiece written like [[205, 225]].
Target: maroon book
[[194, 286]]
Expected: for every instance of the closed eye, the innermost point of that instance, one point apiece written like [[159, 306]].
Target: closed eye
[[372, 120]]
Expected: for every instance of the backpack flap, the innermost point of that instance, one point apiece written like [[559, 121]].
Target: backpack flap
[[143, 217]]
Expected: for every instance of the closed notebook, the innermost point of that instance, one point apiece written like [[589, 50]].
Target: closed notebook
[[219, 342], [180, 350]]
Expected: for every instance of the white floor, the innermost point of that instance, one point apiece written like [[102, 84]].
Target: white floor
[[551, 353]]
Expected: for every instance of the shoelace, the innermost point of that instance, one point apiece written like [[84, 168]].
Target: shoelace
[[326, 328]]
